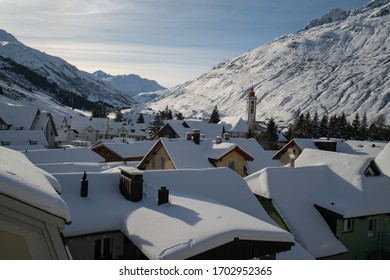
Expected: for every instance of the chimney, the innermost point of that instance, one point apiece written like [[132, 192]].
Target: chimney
[[218, 140], [188, 135], [292, 162], [196, 136], [131, 183], [84, 186], [226, 136], [163, 195], [291, 154]]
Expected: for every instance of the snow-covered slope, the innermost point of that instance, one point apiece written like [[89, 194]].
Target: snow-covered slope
[[38, 72], [129, 84], [339, 63]]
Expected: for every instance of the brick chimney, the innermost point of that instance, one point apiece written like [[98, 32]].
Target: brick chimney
[[163, 195], [196, 136], [131, 183]]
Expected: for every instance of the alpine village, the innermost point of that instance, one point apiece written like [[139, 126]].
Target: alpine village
[[285, 162]]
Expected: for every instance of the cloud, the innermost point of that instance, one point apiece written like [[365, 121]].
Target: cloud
[[164, 38]]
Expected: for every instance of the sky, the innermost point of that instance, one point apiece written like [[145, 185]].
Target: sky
[[170, 41]]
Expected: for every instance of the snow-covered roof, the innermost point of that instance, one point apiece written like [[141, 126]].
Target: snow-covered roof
[[72, 167], [23, 181], [23, 148], [206, 208], [291, 193], [62, 155], [126, 150], [181, 127], [187, 154], [133, 129], [20, 117], [80, 123], [235, 124], [355, 147], [42, 120], [334, 181], [23, 137], [261, 157], [383, 160], [370, 148]]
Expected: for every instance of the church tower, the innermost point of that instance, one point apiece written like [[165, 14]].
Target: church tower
[[251, 110]]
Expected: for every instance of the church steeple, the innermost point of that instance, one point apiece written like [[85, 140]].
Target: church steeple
[[251, 110]]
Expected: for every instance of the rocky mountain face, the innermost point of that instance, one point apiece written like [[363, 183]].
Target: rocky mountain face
[[130, 85], [24, 70], [339, 63]]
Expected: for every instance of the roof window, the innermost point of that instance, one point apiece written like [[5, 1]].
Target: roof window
[[372, 169]]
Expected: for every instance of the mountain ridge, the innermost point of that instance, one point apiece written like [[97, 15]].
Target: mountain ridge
[[334, 67], [129, 84]]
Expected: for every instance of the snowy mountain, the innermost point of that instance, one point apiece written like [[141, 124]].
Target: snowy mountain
[[339, 63], [26, 69], [129, 85]]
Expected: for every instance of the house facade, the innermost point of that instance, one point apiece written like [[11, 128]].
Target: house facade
[[114, 151], [189, 153], [20, 118], [365, 237], [335, 204], [29, 233]]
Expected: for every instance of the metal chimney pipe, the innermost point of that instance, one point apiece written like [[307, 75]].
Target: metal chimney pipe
[[84, 186]]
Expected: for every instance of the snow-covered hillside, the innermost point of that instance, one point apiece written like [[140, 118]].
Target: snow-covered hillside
[[25, 68], [339, 63], [129, 84]]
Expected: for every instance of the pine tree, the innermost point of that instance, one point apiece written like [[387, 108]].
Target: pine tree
[[356, 125], [299, 130], [324, 127], [99, 110], [269, 138], [214, 117], [378, 128], [141, 118], [166, 114], [315, 124], [155, 125], [179, 116], [332, 127], [118, 116], [307, 126], [363, 131]]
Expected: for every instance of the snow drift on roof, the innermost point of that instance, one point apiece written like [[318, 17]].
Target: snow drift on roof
[[23, 181]]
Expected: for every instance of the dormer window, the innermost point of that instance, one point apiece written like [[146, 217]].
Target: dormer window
[[372, 169], [347, 225]]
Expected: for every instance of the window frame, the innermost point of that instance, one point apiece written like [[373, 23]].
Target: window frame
[[347, 225], [372, 228], [232, 165]]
